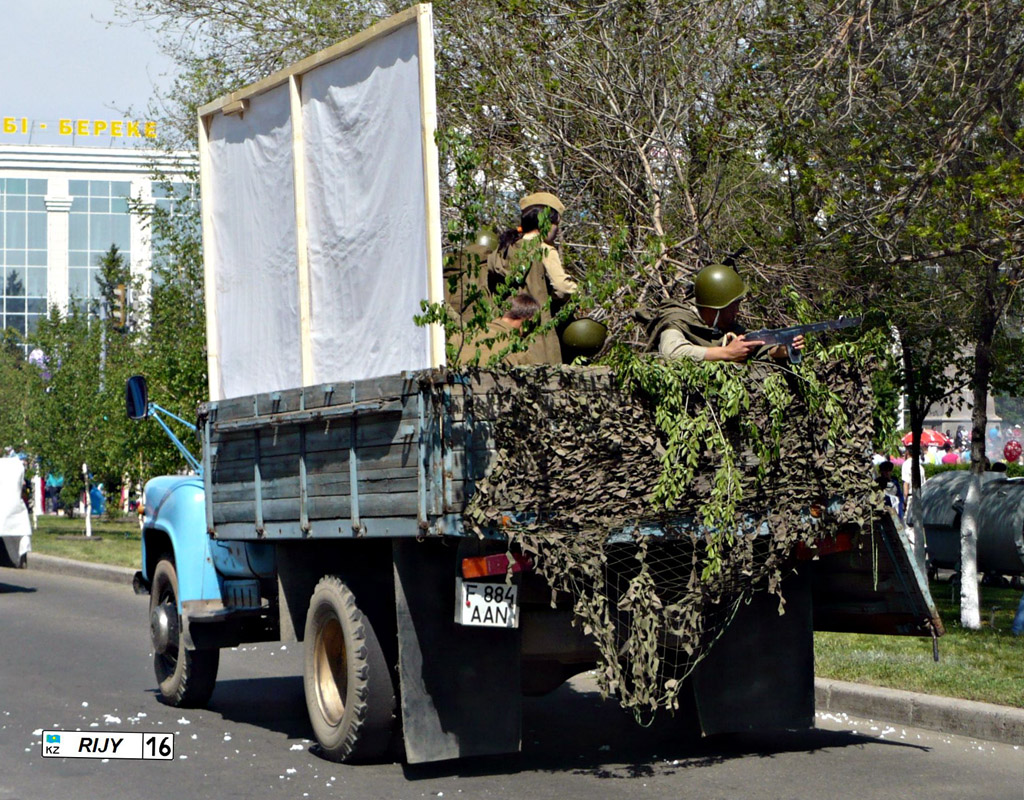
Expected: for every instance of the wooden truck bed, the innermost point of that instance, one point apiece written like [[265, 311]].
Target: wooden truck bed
[[392, 456]]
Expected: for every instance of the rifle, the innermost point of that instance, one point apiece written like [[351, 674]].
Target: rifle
[[785, 336]]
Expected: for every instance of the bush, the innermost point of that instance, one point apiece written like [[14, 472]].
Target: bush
[[930, 470]]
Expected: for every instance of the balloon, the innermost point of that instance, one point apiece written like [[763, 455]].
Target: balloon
[[1012, 451]]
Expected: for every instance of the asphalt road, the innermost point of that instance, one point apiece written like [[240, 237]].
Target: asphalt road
[[75, 654]]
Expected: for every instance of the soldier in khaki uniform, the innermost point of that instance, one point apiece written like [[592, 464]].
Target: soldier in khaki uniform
[[493, 346], [704, 328], [465, 278], [527, 259]]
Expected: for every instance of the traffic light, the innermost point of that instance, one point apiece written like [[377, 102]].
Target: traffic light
[[120, 315]]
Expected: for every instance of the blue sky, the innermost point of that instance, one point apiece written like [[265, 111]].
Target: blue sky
[[73, 59]]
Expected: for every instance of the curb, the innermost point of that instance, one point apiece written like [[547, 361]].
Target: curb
[[945, 714], [969, 718], [80, 569]]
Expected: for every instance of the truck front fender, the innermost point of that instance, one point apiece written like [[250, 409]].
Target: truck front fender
[[175, 524]]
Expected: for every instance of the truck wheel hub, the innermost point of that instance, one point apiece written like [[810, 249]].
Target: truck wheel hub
[[163, 625]]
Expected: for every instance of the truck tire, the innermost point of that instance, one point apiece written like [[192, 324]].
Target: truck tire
[[350, 694], [186, 677]]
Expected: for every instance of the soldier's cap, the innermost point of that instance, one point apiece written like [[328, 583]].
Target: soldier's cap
[[542, 199]]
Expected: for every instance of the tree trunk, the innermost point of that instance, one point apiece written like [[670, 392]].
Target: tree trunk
[[970, 613], [915, 531]]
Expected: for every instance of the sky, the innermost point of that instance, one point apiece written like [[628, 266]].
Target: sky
[[74, 60]]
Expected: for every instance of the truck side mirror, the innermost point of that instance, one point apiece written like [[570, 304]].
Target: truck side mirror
[[136, 397]]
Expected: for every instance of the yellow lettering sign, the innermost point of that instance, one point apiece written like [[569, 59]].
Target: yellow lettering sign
[[83, 127]]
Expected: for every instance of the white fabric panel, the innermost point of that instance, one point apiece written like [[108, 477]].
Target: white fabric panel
[[14, 521], [366, 210], [254, 233]]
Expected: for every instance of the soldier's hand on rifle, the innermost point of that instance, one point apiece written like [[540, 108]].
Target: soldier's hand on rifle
[[781, 352], [736, 348]]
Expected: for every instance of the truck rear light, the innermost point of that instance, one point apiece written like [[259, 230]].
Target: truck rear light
[[486, 566], [825, 546]]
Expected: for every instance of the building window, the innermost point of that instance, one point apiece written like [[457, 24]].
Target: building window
[[177, 203], [22, 253], [99, 218]]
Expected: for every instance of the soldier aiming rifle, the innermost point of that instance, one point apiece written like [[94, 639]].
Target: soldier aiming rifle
[[704, 327]]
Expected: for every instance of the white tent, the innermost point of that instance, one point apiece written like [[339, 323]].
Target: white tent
[[15, 526]]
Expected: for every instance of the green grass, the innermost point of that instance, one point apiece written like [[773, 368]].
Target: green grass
[[117, 543], [983, 665]]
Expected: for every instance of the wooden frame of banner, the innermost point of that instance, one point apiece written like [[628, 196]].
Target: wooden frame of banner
[[237, 102]]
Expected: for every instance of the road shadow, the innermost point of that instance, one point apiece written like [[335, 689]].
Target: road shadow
[[12, 587], [277, 704], [571, 730], [575, 731]]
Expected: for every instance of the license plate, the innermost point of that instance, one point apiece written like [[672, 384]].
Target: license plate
[[487, 605]]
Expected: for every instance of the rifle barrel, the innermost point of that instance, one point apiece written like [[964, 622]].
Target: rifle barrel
[[831, 325], [772, 335]]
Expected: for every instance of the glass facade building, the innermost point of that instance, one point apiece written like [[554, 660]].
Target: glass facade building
[[98, 219], [23, 257], [61, 209]]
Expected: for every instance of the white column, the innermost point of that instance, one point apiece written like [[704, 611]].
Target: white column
[[58, 207]]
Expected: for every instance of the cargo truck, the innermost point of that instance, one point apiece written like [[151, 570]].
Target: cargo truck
[[340, 457]]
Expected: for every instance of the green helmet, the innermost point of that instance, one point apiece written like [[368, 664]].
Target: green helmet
[[584, 334], [487, 240], [718, 286]]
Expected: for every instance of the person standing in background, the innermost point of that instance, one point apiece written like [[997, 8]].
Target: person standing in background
[[1018, 620], [907, 473]]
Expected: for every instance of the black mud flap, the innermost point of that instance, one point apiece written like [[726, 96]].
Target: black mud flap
[[460, 686], [868, 581], [759, 675]]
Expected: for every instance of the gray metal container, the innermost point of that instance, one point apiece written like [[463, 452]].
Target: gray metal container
[[1001, 525]]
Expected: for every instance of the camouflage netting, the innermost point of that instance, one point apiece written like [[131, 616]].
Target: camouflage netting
[[662, 505]]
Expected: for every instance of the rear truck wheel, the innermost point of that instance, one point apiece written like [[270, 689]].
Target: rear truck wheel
[[350, 695], [186, 677]]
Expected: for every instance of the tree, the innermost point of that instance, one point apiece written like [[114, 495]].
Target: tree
[[901, 125], [172, 354], [76, 415], [15, 398], [114, 282], [637, 112], [66, 417]]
